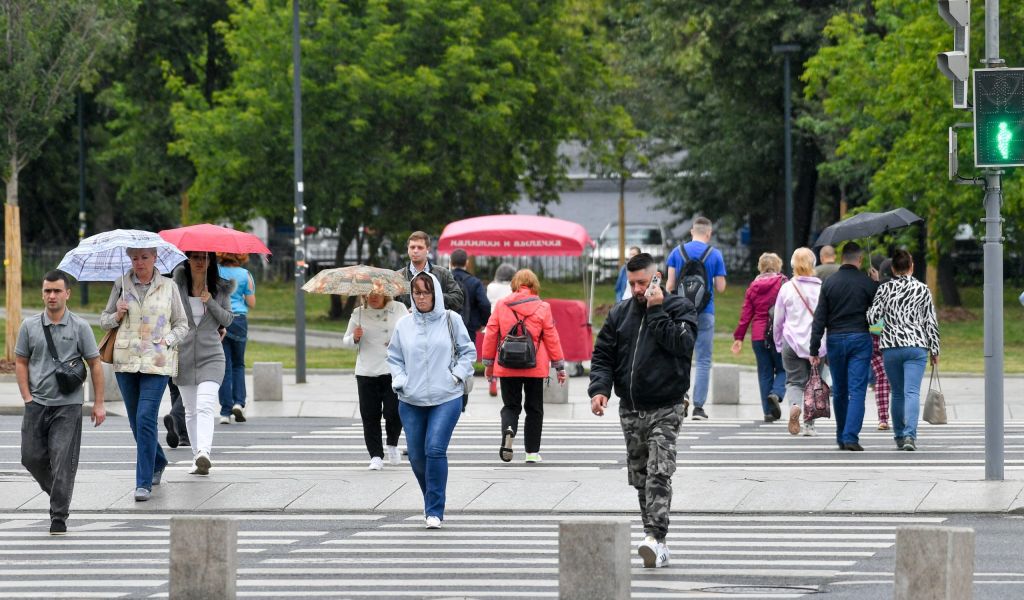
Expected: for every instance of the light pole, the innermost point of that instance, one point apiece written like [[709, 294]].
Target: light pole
[[81, 185], [785, 50], [299, 219]]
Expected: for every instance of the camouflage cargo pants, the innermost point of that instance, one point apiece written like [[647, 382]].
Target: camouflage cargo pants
[[651, 461]]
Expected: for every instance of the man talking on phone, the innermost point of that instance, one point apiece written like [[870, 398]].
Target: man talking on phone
[[643, 352]]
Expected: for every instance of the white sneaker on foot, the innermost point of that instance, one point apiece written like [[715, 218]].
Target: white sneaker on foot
[[808, 429], [433, 523], [394, 456], [534, 457], [203, 463], [376, 463], [194, 470], [648, 551], [237, 411], [225, 420], [663, 555]]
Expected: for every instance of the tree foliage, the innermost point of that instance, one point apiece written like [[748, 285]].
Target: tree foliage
[[415, 112], [888, 108]]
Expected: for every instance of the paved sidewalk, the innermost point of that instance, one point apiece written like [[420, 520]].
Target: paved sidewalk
[[545, 489]]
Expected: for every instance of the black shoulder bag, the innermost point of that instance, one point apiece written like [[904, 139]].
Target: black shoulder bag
[[517, 350], [70, 374]]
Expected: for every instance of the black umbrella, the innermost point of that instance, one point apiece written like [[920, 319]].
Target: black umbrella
[[866, 224]]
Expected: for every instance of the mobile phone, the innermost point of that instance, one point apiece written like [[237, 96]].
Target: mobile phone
[[655, 283]]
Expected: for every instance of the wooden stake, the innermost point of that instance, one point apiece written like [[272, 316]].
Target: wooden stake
[[12, 272]]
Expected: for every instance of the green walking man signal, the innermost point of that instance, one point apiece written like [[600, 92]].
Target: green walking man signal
[[998, 117]]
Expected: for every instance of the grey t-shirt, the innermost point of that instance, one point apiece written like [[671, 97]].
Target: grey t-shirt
[[72, 337]]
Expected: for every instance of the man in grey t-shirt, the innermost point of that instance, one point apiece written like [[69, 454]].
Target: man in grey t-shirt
[[51, 433]]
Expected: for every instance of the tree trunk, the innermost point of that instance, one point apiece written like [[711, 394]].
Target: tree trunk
[[339, 309], [947, 281], [12, 260]]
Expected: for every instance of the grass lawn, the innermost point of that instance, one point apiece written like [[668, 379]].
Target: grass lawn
[[962, 331]]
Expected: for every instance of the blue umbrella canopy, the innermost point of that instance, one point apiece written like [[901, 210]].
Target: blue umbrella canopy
[[102, 257]]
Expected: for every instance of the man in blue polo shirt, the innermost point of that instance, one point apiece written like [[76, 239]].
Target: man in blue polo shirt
[[714, 265]]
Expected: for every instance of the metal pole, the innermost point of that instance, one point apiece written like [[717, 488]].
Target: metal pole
[[81, 184], [789, 159], [994, 429], [299, 220]]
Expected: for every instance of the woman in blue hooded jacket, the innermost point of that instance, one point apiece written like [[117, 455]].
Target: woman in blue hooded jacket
[[430, 355]]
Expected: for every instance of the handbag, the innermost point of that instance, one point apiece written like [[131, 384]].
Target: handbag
[[935, 401], [70, 374], [816, 397], [106, 345], [517, 350], [467, 383]]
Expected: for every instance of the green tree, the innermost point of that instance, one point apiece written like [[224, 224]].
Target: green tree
[[49, 49], [415, 112], [887, 108]]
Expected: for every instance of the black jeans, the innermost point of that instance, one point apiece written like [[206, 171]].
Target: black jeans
[[376, 399], [512, 390], [51, 438], [178, 413]]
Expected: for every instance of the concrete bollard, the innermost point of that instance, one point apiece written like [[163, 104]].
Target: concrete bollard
[[554, 393], [204, 558], [594, 559], [267, 382], [934, 563], [725, 384]]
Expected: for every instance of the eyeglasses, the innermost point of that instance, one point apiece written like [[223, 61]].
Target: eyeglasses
[[423, 294]]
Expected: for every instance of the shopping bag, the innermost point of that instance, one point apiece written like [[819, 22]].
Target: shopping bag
[[816, 397], [935, 401]]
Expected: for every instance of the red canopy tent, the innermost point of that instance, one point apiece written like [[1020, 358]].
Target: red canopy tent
[[531, 235], [515, 235]]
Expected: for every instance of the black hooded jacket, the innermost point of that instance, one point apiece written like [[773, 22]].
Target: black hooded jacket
[[645, 353]]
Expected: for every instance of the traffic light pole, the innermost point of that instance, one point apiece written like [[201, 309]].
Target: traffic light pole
[[994, 425], [300, 208]]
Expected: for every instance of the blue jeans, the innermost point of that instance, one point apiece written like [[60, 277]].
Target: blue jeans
[[142, 394], [232, 389], [702, 357], [905, 369], [849, 360], [428, 429], [771, 376]]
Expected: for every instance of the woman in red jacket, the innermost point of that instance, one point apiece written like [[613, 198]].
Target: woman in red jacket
[[523, 304], [759, 299]]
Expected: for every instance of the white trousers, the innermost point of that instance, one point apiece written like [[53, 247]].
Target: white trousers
[[201, 407]]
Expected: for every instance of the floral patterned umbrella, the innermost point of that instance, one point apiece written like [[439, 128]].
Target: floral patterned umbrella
[[358, 280]]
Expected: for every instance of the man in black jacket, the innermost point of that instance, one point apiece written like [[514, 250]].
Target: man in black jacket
[[419, 261], [644, 351], [476, 308], [842, 310]]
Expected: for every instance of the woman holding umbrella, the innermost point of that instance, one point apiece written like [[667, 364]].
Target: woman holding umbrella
[[201, 357], [369, 331], [151, 321]]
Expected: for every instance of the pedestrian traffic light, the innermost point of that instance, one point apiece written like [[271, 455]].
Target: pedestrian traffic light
[[955, 64], [999, 117]]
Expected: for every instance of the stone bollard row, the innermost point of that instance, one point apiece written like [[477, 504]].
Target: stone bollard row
[[267, 382], [725, 384], [934, 563], [204, 558], [594, 559]]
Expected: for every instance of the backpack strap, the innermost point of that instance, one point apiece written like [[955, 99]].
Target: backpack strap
[[682, 251], [707, 251]]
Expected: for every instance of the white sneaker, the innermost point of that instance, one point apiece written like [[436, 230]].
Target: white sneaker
[[808, 429], [663, 556], [225, 420], [203, 463], [534, 457], [194, 470], [394, 456], [376, 463], [648, 551], [433, 523]]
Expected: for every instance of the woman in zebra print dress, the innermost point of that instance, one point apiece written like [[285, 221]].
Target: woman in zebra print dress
[[910, 335]]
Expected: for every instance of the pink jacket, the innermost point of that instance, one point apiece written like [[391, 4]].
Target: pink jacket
[[539, 322], [793, 319], [759, 298]]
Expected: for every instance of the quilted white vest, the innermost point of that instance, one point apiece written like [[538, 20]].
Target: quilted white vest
[[148, 320]]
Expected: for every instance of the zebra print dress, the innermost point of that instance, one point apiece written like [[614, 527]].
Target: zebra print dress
[[906, 305]]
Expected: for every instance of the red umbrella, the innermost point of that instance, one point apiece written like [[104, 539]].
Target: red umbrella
[[515, 235], [213, 238]]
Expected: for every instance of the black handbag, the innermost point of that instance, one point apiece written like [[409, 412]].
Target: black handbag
[[70, 374]]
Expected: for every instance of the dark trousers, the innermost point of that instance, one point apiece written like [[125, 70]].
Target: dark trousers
[[232, 389], [51, 438], [512, 391], [178, 413], [377, 399]]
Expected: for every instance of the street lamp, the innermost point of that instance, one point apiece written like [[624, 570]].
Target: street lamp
[[299, 219], [785, 50]]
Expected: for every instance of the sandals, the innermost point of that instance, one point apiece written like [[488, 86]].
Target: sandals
[[506, 445]]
